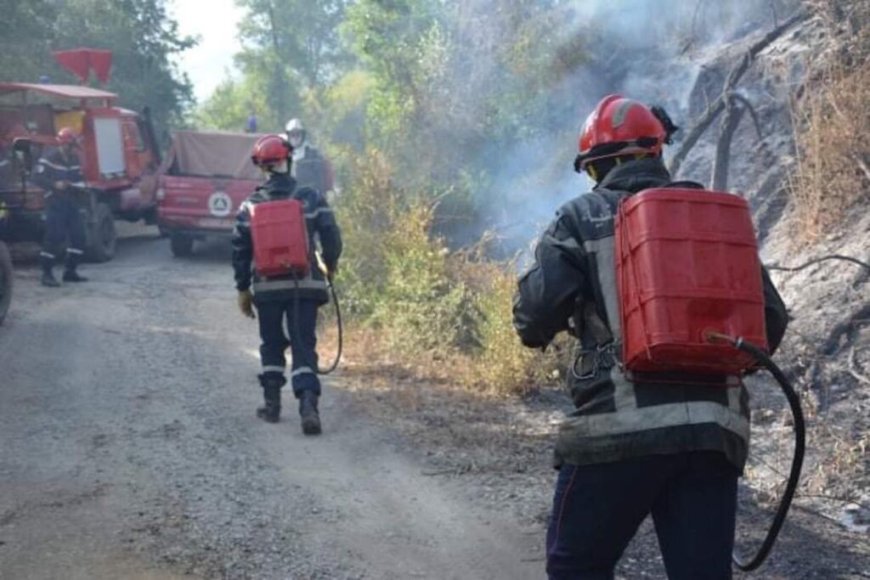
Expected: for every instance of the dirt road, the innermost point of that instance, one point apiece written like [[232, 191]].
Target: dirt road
[[130, 448]]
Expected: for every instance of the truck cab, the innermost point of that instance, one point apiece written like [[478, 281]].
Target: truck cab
[[204, 178]]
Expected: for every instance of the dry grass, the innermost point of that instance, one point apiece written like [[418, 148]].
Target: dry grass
[[833, 138], [832, 123]]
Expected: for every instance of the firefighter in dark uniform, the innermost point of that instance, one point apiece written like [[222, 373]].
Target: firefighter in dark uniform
[[285, 298], [58, 172], [310, 168], [630, 449]]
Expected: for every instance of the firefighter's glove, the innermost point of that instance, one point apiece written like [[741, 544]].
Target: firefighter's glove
[[246, 303], [331, 270]]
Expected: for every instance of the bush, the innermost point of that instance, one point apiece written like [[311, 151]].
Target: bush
[[439, 312]]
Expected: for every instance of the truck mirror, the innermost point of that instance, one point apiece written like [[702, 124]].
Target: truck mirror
[[22, 155]]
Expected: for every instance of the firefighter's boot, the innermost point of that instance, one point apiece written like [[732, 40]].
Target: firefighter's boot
[[309, 414], [271, 409], [48, 278], [72, 262]]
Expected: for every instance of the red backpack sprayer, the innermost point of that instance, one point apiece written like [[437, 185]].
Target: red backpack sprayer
[[691, 299]]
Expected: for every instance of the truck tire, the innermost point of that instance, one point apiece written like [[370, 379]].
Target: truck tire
[[101, 235], [5, 280], [181, 245]]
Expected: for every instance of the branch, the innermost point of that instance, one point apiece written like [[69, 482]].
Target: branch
[[733, 115], [862, 165], [719, 104], [853, 368], [752, 113], [832, 342]]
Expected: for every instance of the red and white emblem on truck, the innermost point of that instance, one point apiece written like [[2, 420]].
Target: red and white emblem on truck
[[220, 204]]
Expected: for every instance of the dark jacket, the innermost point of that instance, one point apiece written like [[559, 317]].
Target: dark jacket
[[313, 170], [572, 285], [54, 166], [322, 228]]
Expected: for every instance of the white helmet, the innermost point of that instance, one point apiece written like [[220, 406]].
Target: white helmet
[[296, 132]]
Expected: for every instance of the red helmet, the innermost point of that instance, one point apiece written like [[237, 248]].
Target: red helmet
[[620, 126], [270, 150], [66, 136]]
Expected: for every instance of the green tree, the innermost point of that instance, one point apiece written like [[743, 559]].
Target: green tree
[[26, 31], [292, 48], [143, 39]]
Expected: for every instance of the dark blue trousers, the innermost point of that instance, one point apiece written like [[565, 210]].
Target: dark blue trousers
[[301, 318], [597, 509], [63, 222]]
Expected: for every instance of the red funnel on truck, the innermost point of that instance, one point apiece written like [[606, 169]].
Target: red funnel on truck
[[81, 61]]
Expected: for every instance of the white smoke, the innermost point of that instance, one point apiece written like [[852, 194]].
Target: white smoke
[[649, 50]]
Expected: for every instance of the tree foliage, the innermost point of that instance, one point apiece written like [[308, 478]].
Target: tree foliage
[[291, 48]]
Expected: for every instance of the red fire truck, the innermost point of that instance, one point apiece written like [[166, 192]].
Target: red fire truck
[[119, 158]]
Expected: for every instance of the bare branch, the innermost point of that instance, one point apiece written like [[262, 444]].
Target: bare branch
[[719, 104], [752, 112], [733, 115], [861, 164], [853, 368]]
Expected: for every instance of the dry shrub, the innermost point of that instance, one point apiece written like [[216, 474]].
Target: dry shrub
[[440, 314], [832, 123], [833, 138]]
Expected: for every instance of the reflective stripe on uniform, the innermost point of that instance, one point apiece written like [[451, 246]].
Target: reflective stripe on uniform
[[656, 417], [47, 255], [44, 161], [317, 212], [604, 250], [273, 369], [302, 371], [306, 284], [74, 251]]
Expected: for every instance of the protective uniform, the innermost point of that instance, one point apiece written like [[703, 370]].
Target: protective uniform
[[310, 168], [286, 298], [57, 172], [672, 446]]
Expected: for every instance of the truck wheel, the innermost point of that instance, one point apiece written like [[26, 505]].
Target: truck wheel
[[5, 280], [101, 235], [181, 245]]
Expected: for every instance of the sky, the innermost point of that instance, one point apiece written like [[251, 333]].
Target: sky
[[208, 63]]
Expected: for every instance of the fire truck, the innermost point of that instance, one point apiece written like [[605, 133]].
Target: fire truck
[[16, 165], [5, 272], [118, 152]]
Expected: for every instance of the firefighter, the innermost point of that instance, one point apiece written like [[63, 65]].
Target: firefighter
[[283, 298], [630, 448], [59, 173], [310, 167]]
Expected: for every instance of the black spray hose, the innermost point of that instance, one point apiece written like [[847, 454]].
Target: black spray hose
[[334, 364], [799, 447], [817, 260]]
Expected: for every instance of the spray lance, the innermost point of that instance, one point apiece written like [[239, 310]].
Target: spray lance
[[331, 285]]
